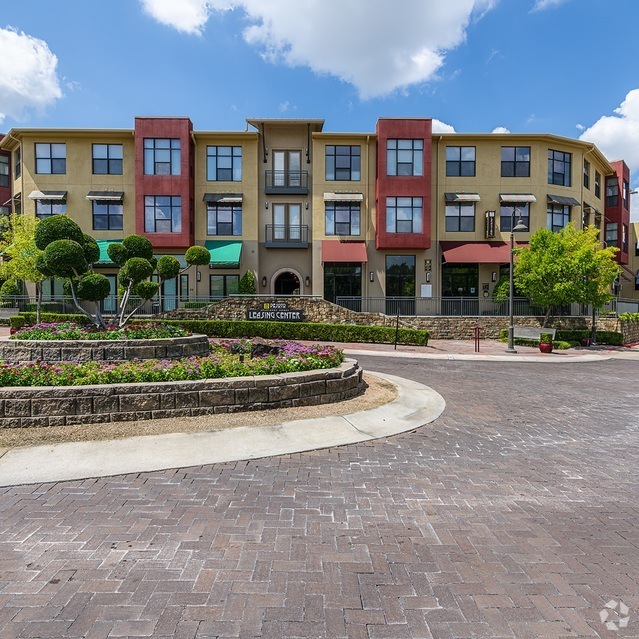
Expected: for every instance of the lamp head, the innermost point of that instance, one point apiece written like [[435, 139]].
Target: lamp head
[[520, 226]]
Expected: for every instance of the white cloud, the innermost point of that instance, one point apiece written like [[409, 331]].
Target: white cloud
[[188, 16], [28, 77], [617, 136], [540, 5], [442, 127], [371, 44], [500, 129]]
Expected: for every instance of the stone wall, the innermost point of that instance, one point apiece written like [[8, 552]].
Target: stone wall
[[13, 350], [63, 405], [440, 327], [630, 332]]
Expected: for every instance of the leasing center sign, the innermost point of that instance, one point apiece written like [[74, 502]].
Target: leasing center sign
[[275, 312]]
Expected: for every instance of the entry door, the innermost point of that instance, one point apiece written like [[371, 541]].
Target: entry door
[[169, 294], [287, 166]]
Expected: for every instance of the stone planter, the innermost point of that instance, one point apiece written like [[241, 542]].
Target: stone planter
[[12, 350], [29, 407]]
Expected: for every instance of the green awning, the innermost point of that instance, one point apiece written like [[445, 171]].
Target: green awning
[[105, 260], [224, 253]]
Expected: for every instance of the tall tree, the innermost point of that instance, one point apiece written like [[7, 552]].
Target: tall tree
[[565, 267], [21, 254]]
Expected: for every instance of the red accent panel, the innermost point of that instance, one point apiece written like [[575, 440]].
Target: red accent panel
[[336, 251], [398, 186], [620, 213], [182, 185], [476, 252]]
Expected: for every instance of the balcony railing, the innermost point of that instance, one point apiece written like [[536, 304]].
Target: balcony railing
[[286, 236], [283, 182]]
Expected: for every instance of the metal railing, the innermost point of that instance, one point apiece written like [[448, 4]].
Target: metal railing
[[450, 306], [286, 236], [285, 182]]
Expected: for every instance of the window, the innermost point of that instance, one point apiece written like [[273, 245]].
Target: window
[[342, 218], [47, 208], [520, 210], [224, 163], [597, 184], [559, 168], [107, 159], [107, 216], [558, 216], [612, 191], [4, 210], [586, 174], [403, 214], [343, 163], [405, 157], [460, 216], [287, 221], [18, 164], [224, 285], [161, 156], [625, 195], [223, 219], [400, 275], [612, 234], [162, 214], [52, 288], [184, 287], [515, 161], [51, 158], [343, 279], [287, 169], [460, 161], [4, 170]]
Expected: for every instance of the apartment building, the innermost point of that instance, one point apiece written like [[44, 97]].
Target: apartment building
[[399, 212]]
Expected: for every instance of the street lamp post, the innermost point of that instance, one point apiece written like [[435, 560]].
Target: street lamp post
[[511, 325]]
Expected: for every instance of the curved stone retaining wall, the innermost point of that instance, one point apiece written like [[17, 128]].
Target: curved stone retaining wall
[[62, 405], [102, 350]]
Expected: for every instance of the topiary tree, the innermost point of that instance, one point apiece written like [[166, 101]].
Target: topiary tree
[[69, 253], [247, 284]]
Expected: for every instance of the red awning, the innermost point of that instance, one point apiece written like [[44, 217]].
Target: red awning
[[477, 252], [336, 251]]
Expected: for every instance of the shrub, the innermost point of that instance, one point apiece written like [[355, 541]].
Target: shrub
[[71, 331], [306, 331], [91, 249], [94, 287], [247, 284], [545, 338], [220, 363], [138, 246], [611, 338], [631, 318], [57, 227], [8, 290], [168, 267], [196, 304], [197, 255], [66, 258], [29, 319]]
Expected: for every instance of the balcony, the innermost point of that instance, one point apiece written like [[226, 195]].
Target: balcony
[[286, 236], [284, 182]]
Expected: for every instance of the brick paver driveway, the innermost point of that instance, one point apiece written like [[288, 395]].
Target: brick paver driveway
[[513, 515]]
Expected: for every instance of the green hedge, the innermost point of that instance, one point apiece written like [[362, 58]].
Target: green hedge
[[196, 304], [305, 331], [612, 338]]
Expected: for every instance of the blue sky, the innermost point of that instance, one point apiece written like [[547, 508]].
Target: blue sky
[[556, 66]]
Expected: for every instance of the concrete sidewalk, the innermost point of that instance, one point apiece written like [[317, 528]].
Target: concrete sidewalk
[[415, 406]]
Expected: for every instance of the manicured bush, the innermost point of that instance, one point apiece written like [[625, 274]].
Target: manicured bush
[[94, 287], [8, 290], [198, 255], [196, 304], [247, 284], [58, 227], [29, 319], [138, 246], [306, 331]]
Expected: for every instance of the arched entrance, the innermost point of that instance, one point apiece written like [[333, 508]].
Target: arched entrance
[[287, 283]]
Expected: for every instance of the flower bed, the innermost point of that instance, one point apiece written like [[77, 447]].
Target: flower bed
[[62, 331], [227, 359]]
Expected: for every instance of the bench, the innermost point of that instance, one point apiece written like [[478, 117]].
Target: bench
[[532, 333]]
